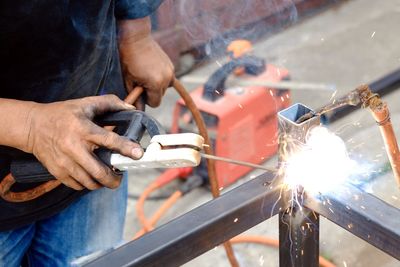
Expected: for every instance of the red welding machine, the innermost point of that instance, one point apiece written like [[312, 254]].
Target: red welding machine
[[241, 121]]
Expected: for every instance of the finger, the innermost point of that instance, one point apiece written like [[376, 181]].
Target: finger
[[71, 182], [117, 143], [153, 97], [98, 170], [81, 179], [157, 88], [129, 85], [59, 172], [140, 103], [80, 175], [107, 103]]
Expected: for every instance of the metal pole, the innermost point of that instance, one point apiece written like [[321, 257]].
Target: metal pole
[[298, 226], [299, 238]]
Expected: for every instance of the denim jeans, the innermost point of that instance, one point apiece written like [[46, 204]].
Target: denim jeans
[[91, 224]]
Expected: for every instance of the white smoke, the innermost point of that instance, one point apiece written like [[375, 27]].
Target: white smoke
[[218, 22]]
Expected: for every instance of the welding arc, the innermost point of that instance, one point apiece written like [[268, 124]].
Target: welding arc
[[236, 162], [148, 225]]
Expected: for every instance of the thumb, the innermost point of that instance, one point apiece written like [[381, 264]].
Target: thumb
[[108, 103]]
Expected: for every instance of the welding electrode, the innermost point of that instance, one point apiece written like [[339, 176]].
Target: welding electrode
[[237, 162]]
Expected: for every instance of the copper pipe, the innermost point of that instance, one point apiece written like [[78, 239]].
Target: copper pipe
[[380, 112]]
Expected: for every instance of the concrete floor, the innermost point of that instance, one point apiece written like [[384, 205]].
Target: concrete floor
[[353, 43]]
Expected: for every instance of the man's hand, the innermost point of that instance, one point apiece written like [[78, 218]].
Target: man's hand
[[62, 136], [143, 61]]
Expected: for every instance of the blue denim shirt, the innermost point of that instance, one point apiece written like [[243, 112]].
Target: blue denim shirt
[[58, 50]]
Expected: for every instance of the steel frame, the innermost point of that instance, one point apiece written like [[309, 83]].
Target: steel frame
[[218, 220], [203, 228]]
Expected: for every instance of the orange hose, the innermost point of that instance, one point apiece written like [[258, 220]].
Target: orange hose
[[165, 178], [140, 206], [159, 213], [133, 96], [272, 243], [10, 196], [255, 239]]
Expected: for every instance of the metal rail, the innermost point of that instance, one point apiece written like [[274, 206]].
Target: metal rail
[[240, 209], [220, 219], [363, 215], [202, 228]]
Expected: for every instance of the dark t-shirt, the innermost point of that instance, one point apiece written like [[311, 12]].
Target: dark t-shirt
[[58, 50]]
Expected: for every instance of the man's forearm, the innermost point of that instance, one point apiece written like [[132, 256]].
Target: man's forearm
[[15, 123], [134, 30]]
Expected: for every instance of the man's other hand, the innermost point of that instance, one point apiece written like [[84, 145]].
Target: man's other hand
[[143, 61], [63, 137]]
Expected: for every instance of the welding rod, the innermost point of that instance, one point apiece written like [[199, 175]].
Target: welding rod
[[257, 82], [237, 162]]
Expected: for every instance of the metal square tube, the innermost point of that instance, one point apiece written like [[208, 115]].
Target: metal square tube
[[298, 226]]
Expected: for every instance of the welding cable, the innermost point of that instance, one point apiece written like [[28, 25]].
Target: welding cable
[[380, 112], [158, 197], [198, 119], [271, 242], [148, 225], [162, 180], [191, 183]]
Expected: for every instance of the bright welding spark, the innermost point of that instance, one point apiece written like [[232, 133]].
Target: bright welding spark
[[320, 164], [261, 260], [333, 96]]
